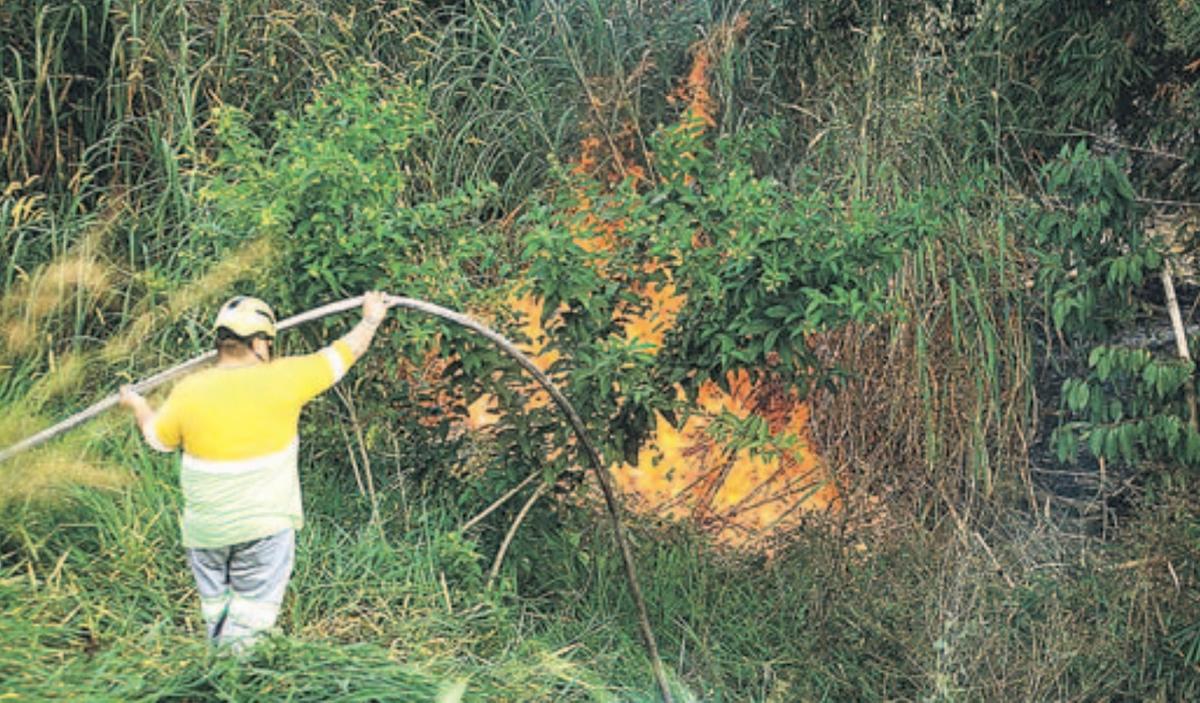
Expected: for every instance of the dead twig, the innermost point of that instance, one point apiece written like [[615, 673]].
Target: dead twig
[[512, 532], [964, 532], [353, 459], [348, 402], [498, 502]]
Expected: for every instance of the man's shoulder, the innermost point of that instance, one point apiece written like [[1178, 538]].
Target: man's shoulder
[[200, 381], [188, 384], [200, 378], [295, 363]]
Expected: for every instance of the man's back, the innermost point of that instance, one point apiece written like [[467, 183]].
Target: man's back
[[238, 431]]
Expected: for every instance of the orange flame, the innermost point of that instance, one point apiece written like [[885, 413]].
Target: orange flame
[[683, 473]]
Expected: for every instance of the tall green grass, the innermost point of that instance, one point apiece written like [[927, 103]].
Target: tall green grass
[[97, 603]]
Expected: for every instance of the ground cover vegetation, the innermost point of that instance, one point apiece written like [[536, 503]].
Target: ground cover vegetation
[[950, 226]]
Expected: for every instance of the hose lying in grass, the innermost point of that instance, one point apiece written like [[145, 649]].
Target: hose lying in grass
[[598, 466]]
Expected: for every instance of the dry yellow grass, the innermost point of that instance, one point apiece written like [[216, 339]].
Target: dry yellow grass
[[69, 372], [46, 293], [79, 271], [57, 281], [16, 423], [19, 337], [43, 473]]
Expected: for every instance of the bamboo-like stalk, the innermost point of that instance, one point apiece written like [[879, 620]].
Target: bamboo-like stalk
[[598, 466], [1181, 343], [499, 501]]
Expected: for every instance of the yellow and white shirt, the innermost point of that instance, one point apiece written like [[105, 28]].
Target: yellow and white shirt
[[238, 428]]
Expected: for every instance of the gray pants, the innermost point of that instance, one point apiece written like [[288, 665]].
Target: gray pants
[[241, 586]]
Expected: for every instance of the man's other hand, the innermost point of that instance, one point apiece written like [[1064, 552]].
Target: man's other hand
[[374, 307]]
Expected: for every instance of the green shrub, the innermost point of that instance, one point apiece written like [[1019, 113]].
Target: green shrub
[[1131, 408], [331, 188], [1093, 257], [1090, 247]]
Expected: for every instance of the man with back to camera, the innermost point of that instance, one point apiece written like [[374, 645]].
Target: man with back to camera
[[237, 424]]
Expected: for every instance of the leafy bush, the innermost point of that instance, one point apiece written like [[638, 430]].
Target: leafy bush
[[1089, 244], [1093, 256], [333, 190], [1132, 407]]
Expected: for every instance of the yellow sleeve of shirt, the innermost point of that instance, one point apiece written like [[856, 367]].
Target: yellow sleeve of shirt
[[163, 431], [312, 374]]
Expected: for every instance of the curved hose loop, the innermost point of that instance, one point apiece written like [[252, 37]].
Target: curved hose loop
[[598, 467]]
